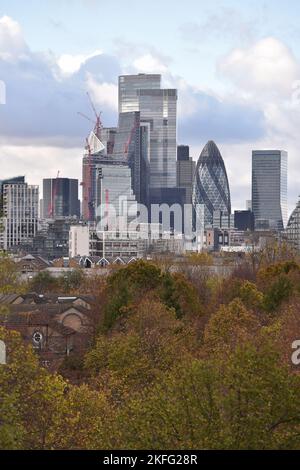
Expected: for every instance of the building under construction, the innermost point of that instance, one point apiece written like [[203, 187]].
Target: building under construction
[[125, 147]]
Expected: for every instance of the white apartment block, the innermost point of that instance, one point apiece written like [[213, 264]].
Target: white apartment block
[[79, 240]]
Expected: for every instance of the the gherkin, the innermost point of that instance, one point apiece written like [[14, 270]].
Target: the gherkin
[[211, 188], [293, 228]]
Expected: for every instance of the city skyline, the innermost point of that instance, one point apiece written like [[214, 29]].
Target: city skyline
[[221, 95]]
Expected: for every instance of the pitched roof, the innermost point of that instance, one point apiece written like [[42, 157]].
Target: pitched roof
[[8, 298], [27, 319]]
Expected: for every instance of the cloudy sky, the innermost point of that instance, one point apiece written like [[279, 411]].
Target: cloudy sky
[[235, 63]]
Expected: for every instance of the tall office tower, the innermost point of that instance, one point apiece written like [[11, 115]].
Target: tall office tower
[[158, 108], [185, 171], [20, 203], [114, 188], [131, 146], [60, 198], [269, 189], [129, 86], [210, 187]]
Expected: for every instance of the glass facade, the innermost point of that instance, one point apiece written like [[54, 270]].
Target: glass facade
[[158, 108], [114, 188], [60, 198], [129, 86], [211, 187], [185, 171], [293, 228], [269, 189]]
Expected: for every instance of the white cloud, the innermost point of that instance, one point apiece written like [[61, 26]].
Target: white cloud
[[268, 67], [12, 43], [43, 162], [105, 94], [148, 63], [70, 64], [266, 74]]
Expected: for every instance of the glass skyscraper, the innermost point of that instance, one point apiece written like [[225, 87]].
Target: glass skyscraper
[[60, 198], [129, 85], [158, 109], [269, 189], [131, 147], [211, 188], [114, 188]]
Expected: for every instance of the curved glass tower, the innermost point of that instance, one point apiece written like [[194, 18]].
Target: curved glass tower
[[211, 188], [293, 228]]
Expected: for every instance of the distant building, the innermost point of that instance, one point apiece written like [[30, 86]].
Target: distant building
[[158, 108], [108, 135], [51, 241], [55, 327], [132, 147], [269, 189], [114, 194], [183, 153], [185, 171], [107, 245], [244, 220], [79, 238], [293, 228], [210, 187], [223, 220], [19, 212], [95, 153], [60, 198]]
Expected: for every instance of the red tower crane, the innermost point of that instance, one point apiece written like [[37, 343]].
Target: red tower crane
[[87, 183]]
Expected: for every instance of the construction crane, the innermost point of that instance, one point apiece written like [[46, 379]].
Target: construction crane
[[97, 123], [87, 183], [127, 144]]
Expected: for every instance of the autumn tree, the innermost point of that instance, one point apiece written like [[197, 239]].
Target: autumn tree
[[10, 282]]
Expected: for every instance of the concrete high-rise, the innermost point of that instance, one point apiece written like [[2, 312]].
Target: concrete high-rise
[[269, 189], [60, 198], [158, 108], [19, 212]]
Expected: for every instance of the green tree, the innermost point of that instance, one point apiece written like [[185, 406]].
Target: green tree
[[279, 291], [9, 276], [246, 401], [43, 283]]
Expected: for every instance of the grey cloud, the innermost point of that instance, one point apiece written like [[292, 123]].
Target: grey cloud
[[42, 110], [221, 121], [38, 106]]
